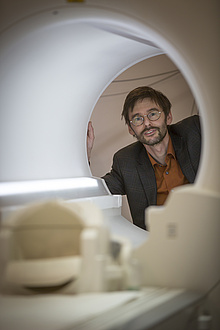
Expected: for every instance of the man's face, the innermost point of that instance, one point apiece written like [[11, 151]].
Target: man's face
[[150, 132]]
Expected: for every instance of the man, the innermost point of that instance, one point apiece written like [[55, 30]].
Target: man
[[165, 156]]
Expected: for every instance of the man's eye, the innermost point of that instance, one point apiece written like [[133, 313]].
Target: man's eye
[[137, 119], [153, 114]]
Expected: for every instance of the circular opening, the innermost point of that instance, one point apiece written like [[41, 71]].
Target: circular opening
[[111, 132]]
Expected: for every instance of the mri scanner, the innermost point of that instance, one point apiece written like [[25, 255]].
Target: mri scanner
[[57, 58]]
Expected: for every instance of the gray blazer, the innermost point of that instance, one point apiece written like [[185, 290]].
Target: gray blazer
[[133, 175]]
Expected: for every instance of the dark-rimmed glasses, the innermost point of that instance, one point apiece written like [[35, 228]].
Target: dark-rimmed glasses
[[152, 116]]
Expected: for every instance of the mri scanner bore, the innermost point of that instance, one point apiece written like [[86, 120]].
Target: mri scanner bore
[[46, 70], [166, 156]]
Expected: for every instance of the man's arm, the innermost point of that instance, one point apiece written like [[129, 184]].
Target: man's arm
[[113, 178]]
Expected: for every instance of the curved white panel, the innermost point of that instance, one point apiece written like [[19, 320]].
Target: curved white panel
[[55, 83], [55, 68]]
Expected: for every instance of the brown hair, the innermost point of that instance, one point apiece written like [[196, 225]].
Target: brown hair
[[140, 93]]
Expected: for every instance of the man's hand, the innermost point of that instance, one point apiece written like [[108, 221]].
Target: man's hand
[[90, 139]]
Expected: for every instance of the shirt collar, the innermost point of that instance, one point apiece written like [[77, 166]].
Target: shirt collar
[[170, 151]]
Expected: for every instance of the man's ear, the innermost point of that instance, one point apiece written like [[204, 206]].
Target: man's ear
[[131, 131], [169, 118]]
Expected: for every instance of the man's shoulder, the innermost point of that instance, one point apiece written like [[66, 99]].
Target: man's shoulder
[[186, 125], [131, 149]]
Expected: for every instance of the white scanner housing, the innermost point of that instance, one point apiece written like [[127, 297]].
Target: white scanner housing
[[56, 60]]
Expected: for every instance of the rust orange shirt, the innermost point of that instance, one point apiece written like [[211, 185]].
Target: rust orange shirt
[[168, 176]]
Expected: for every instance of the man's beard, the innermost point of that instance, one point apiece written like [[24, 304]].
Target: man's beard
[[151, 141]]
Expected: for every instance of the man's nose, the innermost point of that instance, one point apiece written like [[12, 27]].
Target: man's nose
[[147, 121]]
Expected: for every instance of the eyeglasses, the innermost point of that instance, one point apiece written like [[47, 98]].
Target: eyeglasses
[[152, 116]]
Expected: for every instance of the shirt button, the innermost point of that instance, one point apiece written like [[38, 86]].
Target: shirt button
[[167, 172]]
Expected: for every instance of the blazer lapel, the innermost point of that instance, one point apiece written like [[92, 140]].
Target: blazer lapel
[[183, 157], [147, 177], [146, 171]]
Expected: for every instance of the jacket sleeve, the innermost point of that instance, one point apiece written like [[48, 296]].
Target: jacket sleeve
[[114, 178]]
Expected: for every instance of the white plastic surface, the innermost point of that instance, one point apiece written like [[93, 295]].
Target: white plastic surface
[[56, 66]]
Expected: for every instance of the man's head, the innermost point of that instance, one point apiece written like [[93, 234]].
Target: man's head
[[147, 114], [139, 94]]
